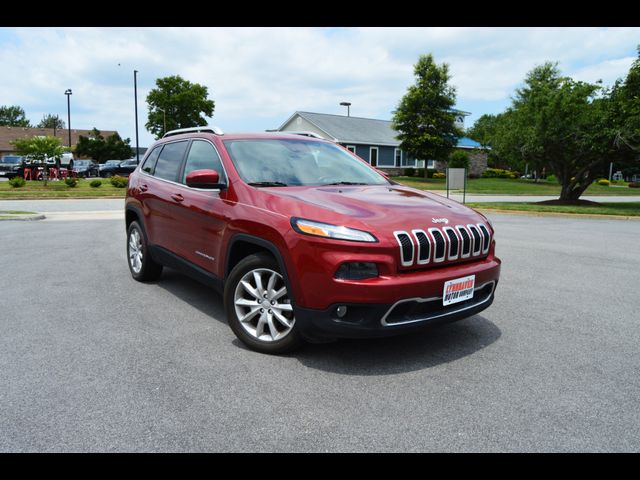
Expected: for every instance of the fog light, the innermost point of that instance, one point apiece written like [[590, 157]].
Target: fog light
[[341, 311], [357, 271]]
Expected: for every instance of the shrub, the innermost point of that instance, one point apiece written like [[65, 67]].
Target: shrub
[[604, 182], [409, 172], [634, 184], [430, 172], [552, 179], [71, 182], [499, 173], [95, 183], [439, 175], [420, 172], [17, 182], [458, 159], [118, 181]]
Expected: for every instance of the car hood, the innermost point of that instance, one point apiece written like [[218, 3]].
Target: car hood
[[371, 207]]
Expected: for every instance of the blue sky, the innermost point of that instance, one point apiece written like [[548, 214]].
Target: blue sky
[[259, 76]]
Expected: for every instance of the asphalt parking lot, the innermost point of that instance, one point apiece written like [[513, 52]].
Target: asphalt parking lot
[[94, 361]]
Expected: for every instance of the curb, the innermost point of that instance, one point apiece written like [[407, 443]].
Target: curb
[[559, 214], [23, 217]]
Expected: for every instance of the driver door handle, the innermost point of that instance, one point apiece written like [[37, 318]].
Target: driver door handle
[[177, 197], [143, 188]]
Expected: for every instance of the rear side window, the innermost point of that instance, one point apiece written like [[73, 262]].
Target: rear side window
[[170, 160], [150, 163], [202, 156]]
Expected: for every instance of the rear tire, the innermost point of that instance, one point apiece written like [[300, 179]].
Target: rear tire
[[142, 267], [258, 306]]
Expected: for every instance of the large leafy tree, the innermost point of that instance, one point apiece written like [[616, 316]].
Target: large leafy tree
[[101, 149], [178, 103], [39, 149], [13, 116], [51, 120], [425, 119], [569, 127]]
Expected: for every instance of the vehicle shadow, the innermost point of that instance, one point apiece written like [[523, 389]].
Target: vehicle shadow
[[200, 296], [427, 348]]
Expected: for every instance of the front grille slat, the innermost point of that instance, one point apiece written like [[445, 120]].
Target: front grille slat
[[406, 248], [486, 238], [477, 239], [440, 245], [424, 246], [454, 244]]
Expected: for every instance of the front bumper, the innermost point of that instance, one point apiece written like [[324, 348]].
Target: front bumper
[[371, 321]]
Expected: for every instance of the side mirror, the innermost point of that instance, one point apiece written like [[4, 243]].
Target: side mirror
[[204, 179]]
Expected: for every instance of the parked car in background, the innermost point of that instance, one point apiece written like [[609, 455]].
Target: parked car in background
[[10, 166], [85, 168], [124, 168], [107, 168]]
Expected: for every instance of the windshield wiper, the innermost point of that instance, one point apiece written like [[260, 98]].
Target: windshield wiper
[[267, 184], [345, 183]]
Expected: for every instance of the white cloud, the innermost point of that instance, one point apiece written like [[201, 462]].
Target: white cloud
[[259, 76]]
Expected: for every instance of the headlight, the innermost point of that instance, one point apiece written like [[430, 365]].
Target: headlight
[[317, 229]]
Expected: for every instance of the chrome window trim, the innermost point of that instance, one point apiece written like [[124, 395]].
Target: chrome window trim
[[429, 299]]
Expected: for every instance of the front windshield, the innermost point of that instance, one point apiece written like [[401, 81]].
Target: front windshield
[[11, 160], [298, 162]]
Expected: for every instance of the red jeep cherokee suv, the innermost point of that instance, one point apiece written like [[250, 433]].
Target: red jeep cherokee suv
[[304, 239]]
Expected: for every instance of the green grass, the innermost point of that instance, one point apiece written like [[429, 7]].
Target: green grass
[[627, 209], [15, 212], [507, 186], [36, 189]]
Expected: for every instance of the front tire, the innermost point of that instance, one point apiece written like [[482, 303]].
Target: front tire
[[258, 306], [141, 265]]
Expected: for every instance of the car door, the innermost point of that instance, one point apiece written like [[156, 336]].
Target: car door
[[202, 220], [161, 198]]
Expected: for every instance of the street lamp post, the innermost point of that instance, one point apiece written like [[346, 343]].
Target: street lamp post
[[68, 94], [135, 98], [348, 105]]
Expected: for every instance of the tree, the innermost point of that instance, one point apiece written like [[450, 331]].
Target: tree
[[13, 116], [39, 149], [459, 159], [101, 149], [425, 118], [51, 121], [180, 103]]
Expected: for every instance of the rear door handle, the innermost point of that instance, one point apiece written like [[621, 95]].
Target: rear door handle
[[177, 197]]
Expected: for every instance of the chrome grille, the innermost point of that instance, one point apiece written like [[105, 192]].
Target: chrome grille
[[440, 244], [424, 247], [466, 241], [437, 245], [477, 239], [406, 248]]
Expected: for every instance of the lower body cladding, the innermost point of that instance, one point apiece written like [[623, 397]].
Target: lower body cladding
[[358, 320]]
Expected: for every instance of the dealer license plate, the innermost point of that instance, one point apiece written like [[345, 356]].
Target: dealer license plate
[[458, 290]]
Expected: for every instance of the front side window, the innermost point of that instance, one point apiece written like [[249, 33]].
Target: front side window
[[202, 156], [149, 164], [266, 162], [169, 160]]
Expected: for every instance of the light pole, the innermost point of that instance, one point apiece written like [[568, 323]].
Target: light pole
[[347, 104], [164, 115], [68, 94], [135, 98]]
